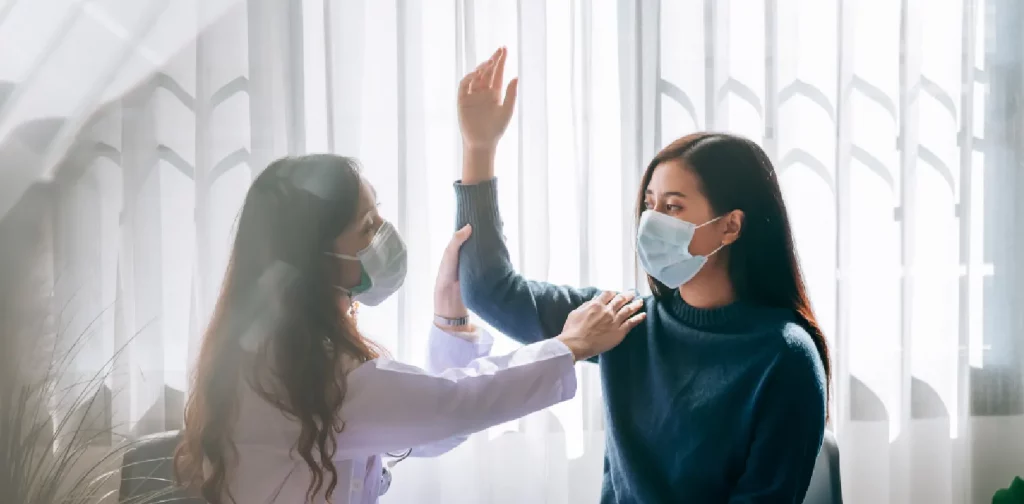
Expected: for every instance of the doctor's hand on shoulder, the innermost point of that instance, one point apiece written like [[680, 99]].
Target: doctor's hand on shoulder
[[601, 323]]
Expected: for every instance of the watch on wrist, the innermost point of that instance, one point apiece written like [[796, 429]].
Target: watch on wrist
[[443, 321]]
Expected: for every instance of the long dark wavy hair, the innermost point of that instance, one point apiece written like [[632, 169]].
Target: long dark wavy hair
[[736, 174], [292, 214]]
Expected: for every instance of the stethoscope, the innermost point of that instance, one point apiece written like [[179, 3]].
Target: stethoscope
[[385, 477]]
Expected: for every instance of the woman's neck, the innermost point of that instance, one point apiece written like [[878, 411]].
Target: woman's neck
[[710, 288]]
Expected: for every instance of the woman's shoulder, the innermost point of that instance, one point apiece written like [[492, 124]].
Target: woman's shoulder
[[791, 337], [795, 340], [798, 359]]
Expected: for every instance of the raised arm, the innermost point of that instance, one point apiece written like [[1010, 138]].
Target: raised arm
[[525, 310], [463, 390]]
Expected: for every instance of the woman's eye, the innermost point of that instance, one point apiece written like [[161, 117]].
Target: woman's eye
[[648, 205], [673, 208]]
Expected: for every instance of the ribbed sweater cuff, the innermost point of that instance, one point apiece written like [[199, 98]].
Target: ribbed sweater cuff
[[477, 205]]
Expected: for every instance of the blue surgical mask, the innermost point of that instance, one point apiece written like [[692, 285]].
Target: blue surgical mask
[[663, 244]]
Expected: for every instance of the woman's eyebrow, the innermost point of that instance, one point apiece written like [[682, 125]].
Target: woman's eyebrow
[[667, 193]]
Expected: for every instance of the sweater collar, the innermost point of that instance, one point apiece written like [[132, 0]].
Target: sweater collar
[[735, 316]]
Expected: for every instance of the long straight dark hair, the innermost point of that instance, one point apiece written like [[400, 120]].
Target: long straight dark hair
[[736, 174]]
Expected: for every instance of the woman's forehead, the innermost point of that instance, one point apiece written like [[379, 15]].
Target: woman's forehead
[[367, 195], [672, 177]]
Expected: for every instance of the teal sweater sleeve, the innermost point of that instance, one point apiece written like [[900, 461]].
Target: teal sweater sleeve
[[524, 310]]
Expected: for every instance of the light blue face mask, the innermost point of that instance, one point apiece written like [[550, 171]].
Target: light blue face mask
[[383, 265], [663, 244]]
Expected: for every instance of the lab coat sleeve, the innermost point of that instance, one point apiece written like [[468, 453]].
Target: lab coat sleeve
[[390, 406], [448, 350]]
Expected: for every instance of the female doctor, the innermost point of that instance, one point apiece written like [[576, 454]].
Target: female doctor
[[290, 403]]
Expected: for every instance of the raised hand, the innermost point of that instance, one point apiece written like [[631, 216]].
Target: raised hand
[[601, 324], [483, 114]]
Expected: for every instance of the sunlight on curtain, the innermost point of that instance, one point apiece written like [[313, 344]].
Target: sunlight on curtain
[[892, 126]]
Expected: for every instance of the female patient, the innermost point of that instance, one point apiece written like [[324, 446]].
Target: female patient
[[291, 404], [721, 395]]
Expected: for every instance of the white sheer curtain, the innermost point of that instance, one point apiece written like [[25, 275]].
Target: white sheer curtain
[[896, 127]]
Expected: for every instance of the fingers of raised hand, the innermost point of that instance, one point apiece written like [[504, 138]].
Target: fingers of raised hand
[[510, 97], [472, 81], [492, 72], [482, 79], [498, 70], [465, 83], [484, 72], [496, 54]]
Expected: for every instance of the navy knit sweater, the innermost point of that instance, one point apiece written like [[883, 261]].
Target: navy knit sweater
[[703, 405]]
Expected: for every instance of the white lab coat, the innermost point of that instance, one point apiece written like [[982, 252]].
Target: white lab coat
[[391, 407]]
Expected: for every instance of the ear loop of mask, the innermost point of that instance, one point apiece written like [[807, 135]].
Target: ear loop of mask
[[353, 305], [342, 256], [713, 252], [362, 273], [720, 245]]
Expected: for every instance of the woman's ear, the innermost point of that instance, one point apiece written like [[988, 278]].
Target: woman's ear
[[732, 226]]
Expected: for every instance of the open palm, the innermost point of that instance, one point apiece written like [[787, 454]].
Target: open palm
[[483, 115]]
